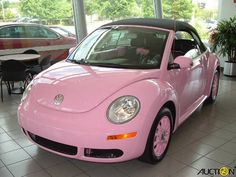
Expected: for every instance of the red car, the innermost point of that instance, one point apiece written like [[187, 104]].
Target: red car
[[34, 38]]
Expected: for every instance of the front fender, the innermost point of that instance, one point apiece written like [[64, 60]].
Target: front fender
[[152, 94]]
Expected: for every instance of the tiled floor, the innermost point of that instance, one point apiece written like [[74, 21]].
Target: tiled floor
[[206, 140]]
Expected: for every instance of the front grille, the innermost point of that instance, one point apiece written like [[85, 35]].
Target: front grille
[[55, 146], [103, 153]]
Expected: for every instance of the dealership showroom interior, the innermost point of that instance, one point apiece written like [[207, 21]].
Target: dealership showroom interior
[[117, 88]]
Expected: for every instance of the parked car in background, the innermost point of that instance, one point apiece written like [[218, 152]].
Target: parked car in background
[[27, 20], [34, 38], [122, 92], [23, 19], [62, 31], [211, 24]]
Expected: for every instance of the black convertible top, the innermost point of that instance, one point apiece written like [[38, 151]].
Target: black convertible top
[[155, 22], [174, 25]]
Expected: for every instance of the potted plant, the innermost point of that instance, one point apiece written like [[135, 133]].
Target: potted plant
[[223, 40]]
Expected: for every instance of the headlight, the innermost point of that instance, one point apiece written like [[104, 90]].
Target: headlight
[[123, 109], [26, 92]]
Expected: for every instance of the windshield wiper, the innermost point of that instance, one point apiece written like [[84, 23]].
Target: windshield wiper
[[81, 61], [107, 65]]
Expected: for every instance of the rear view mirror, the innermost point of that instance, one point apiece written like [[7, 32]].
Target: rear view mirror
[[183, 62]]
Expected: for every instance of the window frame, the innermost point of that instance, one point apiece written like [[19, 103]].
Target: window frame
[[197, 42]]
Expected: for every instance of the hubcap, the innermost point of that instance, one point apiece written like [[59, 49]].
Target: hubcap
[[162, 136], [215, 86]]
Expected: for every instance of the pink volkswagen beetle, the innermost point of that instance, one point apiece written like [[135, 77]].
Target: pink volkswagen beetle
[[121, 93]]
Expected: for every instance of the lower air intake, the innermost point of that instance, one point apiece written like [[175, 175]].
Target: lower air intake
[[52, 145]]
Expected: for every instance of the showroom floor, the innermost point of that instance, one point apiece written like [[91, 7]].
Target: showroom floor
[[206, 140]]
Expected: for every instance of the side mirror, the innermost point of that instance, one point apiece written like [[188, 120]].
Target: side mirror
[[183, 62]]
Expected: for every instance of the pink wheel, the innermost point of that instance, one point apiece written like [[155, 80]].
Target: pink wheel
[[162, 136], [159, 137]]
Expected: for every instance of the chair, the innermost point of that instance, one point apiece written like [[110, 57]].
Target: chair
[[0, 69], [30, 63], [43, 64], [13, 71]]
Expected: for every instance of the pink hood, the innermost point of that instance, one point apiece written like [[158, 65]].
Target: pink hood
[[83, 87]]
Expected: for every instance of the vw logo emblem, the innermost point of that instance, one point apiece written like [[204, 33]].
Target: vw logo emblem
[[58, 99]]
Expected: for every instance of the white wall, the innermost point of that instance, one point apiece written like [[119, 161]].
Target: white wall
[[227, 9]]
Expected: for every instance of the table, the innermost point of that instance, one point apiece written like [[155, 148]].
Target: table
[[20, 57]]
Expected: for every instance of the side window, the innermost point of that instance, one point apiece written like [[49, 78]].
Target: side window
[[40, 32], [35, 32], [5, 32], [19, 32], [13, 32], [185, 45]]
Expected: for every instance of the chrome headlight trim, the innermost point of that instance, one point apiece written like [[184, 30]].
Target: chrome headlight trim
[[125, 104]]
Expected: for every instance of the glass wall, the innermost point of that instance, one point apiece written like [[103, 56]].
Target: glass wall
[[202, 14], [58, 14], [99, 12], [44, 27]]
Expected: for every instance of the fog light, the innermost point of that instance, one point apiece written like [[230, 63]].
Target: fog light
[[122, 136]]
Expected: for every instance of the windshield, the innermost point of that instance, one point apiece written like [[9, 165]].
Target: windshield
[[122, 47]]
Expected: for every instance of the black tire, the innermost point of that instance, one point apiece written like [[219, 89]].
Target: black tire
[[212, 98], [149, 155], [30, 52]]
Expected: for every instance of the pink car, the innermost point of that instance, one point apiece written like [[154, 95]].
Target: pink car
[[122, 92]]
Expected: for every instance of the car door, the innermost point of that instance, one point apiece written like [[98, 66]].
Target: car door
[[203, 61], [189, 83]]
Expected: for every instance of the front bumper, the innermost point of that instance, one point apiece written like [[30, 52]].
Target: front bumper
[[85, 132]]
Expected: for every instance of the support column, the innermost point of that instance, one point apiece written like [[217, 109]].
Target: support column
[[79, 19], [3, 11], [158, 8]]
